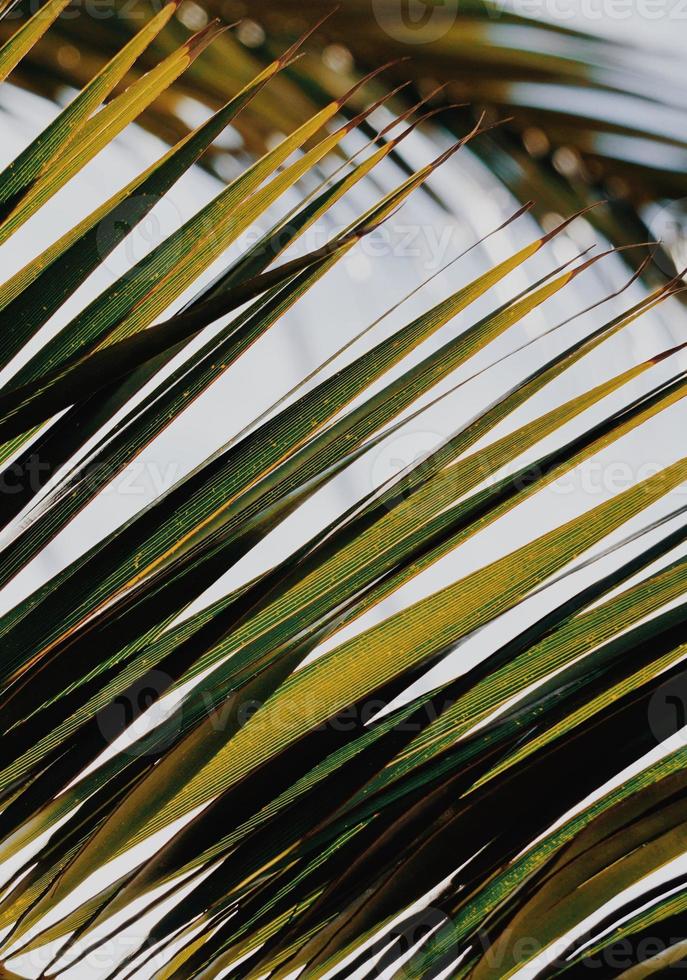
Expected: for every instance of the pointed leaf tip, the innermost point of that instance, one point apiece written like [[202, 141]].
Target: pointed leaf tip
[[292, 50], [568, 221], [367, 78], [200, 41], [414, 108], [664, 355]]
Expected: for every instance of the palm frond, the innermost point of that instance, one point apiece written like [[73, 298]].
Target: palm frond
[[336, 785]]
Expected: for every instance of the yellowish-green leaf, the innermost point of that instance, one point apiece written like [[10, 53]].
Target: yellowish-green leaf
[[29, 34], [104, 126], [53, 141]]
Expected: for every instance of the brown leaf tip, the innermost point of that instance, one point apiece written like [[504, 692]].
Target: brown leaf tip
[[199, 42]]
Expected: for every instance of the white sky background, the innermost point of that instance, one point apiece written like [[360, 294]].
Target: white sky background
[[349, 299]]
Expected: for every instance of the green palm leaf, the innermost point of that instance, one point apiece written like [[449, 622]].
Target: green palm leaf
[[381, 724]]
